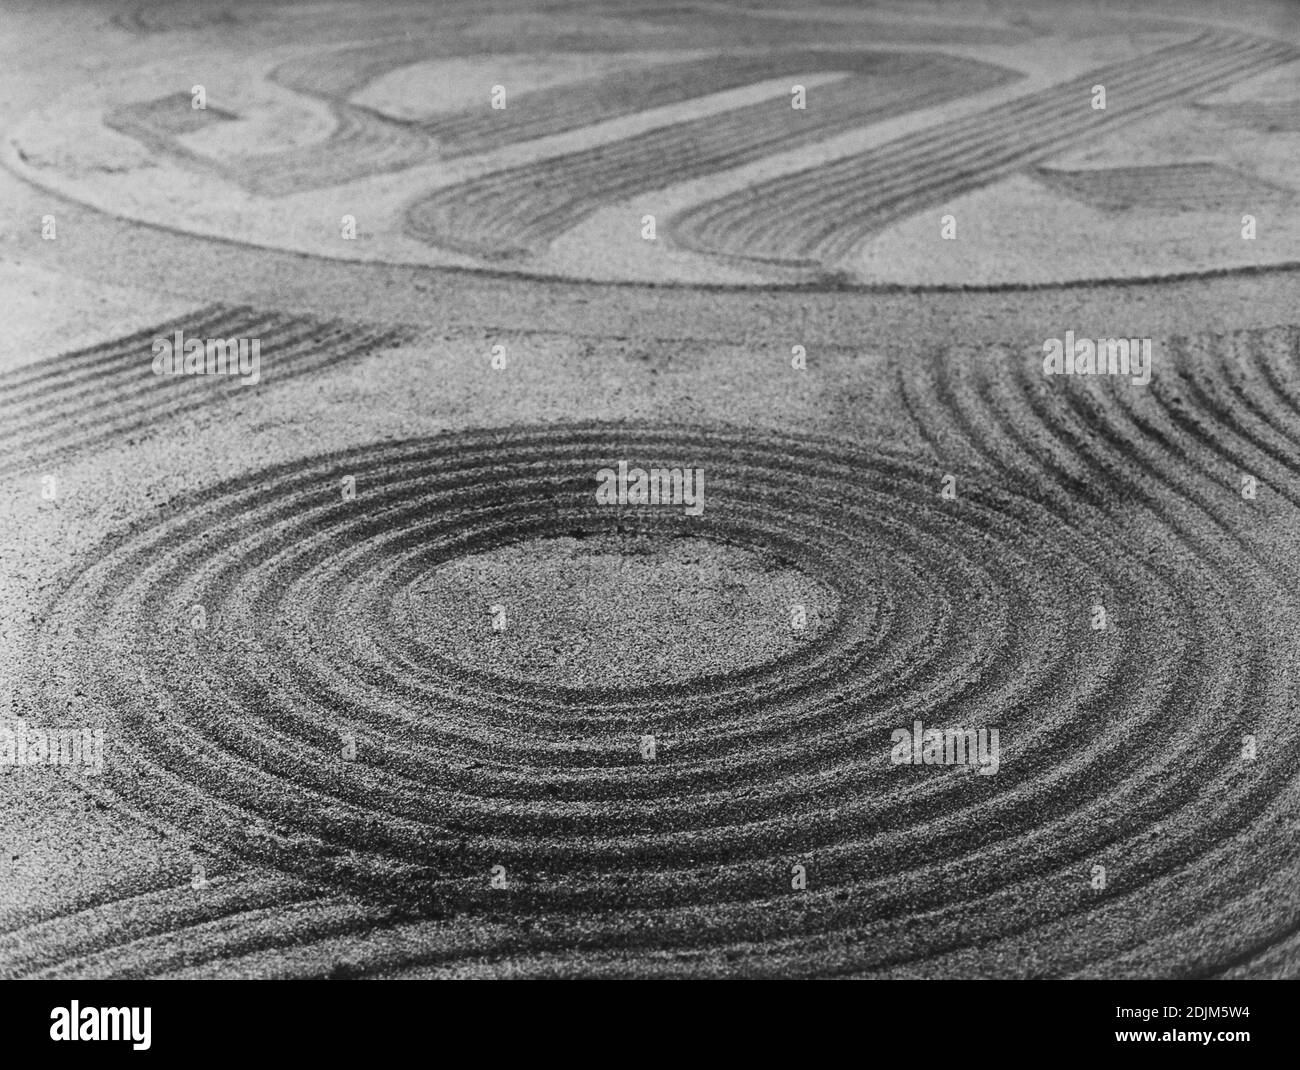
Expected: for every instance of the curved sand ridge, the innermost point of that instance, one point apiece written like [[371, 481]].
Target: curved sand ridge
[[825, 214], [164, 930], [520, 210], [556, 184], [1118, 747], [1270, 116], [1201, 187], [103, 393]]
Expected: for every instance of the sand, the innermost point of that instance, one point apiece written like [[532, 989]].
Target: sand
[[323, 778]]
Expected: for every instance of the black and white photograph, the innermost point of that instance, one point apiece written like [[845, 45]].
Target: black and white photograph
[[620, 490]]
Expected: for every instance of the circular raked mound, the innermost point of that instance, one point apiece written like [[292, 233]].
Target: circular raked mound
[[777, 817]]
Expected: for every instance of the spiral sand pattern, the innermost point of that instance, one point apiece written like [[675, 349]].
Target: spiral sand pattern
[[970, 612]]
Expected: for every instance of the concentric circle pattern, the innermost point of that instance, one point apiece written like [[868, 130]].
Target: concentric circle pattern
[[311, 729]]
